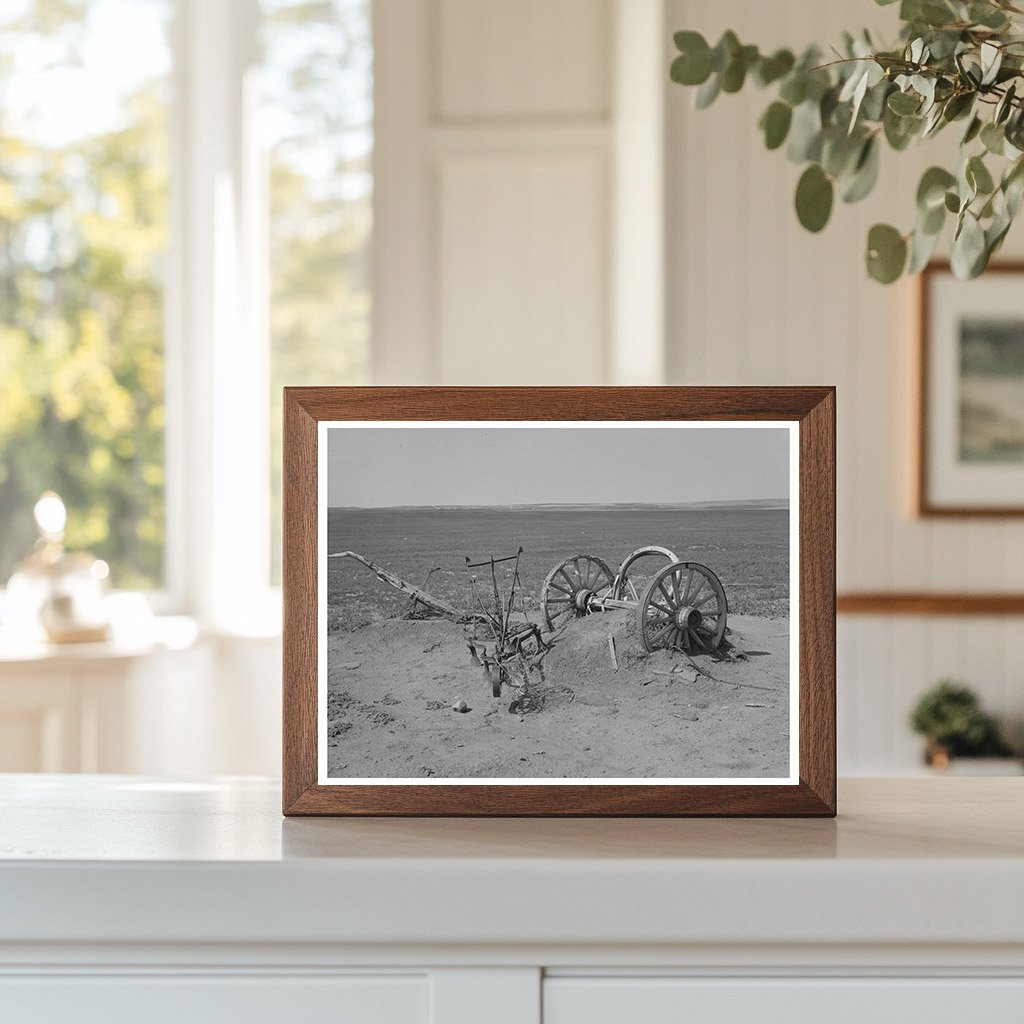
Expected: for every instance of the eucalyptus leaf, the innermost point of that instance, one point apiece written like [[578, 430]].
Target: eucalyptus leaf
[[903, 103], [993, 138], [987, 15], [840, 152], [827, 106], [814, 196], [932, 221], [944, 44], [1013, 186], [929, 12], [958, 105], [771, 69], [735, 74], [925, 87], [873, 106], [931, 190], [805, 133], [968, 248], [690, 70], [1005, 105], [794, 88], [900, 130], [991, 61], [978, 176], [973, 130], [886, 253], [922, 247], [865, 174], [724, 51], [775, 124], [933, 122], [1014, 192], [707, 93]]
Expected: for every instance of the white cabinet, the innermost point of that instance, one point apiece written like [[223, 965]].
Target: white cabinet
[[202, 999], [823, 1000], [133, 899]]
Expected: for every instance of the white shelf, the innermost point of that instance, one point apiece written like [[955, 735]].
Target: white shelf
[[128, 897], [120, 859]]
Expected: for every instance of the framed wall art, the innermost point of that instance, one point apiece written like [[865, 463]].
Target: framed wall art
[[970, 444], [559, 601]]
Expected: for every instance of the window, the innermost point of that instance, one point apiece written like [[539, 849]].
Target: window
[[83, 234], [185, 222]]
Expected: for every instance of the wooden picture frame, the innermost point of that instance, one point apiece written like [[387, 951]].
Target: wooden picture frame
[[945, 484], [809, 415]]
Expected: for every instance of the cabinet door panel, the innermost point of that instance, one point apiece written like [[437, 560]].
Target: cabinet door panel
[[202, 999], [782, 1001]]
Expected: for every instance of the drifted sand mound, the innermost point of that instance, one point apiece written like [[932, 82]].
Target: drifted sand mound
[[392, 685]]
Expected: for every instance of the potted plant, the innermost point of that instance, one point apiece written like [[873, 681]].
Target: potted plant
[[950, 718], [956, 62]]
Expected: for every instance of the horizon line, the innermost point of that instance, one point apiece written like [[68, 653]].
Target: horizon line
[[754, 504]]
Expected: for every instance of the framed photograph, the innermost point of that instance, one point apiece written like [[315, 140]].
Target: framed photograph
[[970, 450], [559, 601]]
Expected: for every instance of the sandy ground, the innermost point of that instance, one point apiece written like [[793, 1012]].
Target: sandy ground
[[392, 684]]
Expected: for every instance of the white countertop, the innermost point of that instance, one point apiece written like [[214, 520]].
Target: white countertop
[[120, 859]]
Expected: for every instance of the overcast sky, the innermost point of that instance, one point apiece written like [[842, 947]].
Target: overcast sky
[[373, 467]]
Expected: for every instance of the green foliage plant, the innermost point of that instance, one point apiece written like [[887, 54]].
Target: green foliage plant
[[957, 62], [950, 717]]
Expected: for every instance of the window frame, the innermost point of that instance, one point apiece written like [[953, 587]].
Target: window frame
[[216, 347]]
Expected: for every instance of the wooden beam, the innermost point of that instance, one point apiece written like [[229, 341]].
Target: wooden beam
[[953, 605]]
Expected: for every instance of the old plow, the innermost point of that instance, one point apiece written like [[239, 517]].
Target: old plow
[[506, 645]]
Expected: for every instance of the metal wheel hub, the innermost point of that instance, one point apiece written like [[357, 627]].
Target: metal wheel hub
[[688, 618], [582, 599]]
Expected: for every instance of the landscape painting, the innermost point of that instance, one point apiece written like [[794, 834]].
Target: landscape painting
[[563, 601], [991, 390]]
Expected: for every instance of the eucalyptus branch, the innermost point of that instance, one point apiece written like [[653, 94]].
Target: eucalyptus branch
[[954, 60]]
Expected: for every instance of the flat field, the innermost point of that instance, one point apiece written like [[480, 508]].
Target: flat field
[[747, 549], [392, 681]]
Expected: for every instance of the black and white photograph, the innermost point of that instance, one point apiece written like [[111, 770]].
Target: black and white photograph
[[562, 601]]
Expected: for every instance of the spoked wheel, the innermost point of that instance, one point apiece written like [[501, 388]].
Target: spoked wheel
[[569, 585], [683, 607], [636, 571]]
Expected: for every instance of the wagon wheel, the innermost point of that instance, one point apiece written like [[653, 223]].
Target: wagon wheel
[[627, 588], [569, 585], [684, 607]]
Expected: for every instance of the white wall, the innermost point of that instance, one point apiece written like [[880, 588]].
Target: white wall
[[754, 299], [514, 148], [505, 131]]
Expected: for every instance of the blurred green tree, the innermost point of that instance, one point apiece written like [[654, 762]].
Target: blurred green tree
[[83, 237], [82, 233]]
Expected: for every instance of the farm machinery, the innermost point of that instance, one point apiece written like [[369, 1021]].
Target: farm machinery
[[682, 605], [678, 605]]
